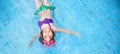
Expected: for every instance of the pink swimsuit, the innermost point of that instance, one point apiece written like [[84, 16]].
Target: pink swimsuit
[[48, 43]]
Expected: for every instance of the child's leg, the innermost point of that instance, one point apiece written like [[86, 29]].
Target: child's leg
[[45, 2], [37, 3]]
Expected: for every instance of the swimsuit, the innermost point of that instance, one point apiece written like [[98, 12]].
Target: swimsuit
[[48, 43], [46, 21], [43, 7]]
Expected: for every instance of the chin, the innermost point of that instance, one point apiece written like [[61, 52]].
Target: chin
[[48, 40]]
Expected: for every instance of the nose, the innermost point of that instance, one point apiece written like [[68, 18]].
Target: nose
[[47, 32]]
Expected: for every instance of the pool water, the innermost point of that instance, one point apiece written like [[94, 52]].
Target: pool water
[[97, 22]]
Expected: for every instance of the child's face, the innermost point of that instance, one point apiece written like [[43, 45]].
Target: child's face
[[47, 34]]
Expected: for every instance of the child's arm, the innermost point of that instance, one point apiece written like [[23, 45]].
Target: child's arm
[[37, 3], [34, 37], [66, 31]]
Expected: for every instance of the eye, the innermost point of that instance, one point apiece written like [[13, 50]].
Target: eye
[[45, 36]]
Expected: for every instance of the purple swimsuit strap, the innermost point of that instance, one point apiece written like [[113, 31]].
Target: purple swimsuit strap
[[46, 21]]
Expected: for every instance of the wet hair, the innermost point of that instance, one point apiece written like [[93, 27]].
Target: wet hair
[[41, 37]]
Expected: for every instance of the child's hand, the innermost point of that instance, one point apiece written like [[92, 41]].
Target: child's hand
[[29, 43], [77, 34]]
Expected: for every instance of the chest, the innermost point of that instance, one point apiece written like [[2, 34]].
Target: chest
[[44, 26]]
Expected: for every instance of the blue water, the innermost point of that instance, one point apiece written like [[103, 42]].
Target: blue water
[[96, 20]]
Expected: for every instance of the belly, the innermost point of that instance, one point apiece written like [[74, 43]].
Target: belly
[[45, 14]]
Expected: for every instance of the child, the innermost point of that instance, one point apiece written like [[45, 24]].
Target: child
[[46, 25]]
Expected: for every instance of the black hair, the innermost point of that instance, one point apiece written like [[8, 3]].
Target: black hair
[[41, 37]]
